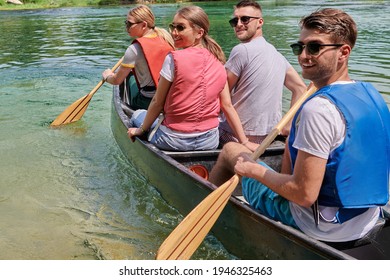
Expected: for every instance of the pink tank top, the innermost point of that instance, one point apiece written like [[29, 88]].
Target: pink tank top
[[193, 101]]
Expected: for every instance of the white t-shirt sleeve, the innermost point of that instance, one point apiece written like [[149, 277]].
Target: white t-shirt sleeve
[[321, 128], [168, 68], [131, 55]]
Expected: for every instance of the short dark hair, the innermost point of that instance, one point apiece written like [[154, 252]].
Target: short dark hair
[[335, 22], [248, 3]]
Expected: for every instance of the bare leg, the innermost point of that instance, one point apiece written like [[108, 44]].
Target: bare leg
[[224, 167], [286, 160]]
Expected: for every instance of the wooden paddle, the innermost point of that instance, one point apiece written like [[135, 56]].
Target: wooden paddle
[[75, 111], [189, 234]]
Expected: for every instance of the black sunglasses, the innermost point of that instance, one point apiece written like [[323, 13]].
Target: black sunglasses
[[244, 20], [130, 24], [178, 27], [312, 47]]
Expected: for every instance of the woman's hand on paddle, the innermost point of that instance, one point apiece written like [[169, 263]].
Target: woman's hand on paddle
[[107, 73], [132, 132]]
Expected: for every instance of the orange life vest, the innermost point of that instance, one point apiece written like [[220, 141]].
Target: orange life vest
[[155, 50]]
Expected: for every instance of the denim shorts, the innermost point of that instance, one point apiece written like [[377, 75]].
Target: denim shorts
[[138, 118], [170, 141], [266, 201]]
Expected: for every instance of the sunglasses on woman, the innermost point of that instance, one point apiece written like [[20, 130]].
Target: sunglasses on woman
[[244, 20], [130, 24], [178, 27], [312, 47]]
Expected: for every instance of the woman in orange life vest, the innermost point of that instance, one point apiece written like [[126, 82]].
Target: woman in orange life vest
[[144, 56], [191, 91]]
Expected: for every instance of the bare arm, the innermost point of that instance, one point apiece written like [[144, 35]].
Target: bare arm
[[297, 87], [286, 160], [232, 80], [302, 187], [116, 78], [295, 84], [231, 115], [155, 108]]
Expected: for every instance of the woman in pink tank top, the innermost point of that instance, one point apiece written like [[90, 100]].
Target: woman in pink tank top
[[191, 91]]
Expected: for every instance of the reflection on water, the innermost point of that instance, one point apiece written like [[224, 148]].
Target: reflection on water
[[69, 193]]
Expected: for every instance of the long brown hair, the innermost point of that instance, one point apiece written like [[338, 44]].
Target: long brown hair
[[197, 16]]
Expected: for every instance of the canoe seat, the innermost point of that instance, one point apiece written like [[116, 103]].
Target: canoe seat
[[179, 154], [276, 148]]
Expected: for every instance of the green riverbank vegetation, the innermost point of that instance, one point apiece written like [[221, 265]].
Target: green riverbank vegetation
[[44, 4]]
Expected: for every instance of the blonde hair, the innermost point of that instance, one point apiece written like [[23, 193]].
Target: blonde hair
[[197, 16], [144, 13]]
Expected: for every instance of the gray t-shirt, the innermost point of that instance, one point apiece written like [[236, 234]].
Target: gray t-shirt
[[257, 96]]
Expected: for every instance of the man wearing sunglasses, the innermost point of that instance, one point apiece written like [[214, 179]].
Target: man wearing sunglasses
[[335, 177], [257, 73]]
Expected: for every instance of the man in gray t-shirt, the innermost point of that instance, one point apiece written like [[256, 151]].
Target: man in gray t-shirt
[[257, 73]]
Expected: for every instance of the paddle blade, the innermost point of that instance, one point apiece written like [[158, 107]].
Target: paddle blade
[[74, 112], [189, 234]]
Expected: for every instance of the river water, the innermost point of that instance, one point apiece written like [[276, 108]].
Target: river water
[[69, 193]]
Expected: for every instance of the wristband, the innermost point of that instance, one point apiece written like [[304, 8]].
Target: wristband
[[107, 78], [245, 142], [142, 128]]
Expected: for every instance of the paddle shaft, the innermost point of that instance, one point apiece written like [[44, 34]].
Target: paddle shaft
[[76, 110], [282, 123], [102, 81], [189, 234]]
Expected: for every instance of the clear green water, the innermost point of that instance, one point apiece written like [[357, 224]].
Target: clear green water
[[69, 193]]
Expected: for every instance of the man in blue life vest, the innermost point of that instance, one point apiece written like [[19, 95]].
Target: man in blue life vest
[[335, 174]]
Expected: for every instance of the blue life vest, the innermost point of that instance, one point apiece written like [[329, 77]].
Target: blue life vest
[[357, 172]]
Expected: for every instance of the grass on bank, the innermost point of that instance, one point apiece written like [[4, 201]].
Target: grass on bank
[[44, 4]]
